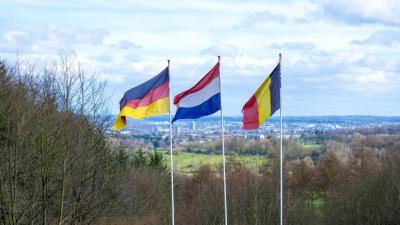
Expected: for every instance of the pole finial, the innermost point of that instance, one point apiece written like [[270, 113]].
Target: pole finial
[[168, 61], [219, 58]]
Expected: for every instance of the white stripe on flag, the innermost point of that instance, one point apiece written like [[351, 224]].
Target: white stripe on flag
[[196, 98]]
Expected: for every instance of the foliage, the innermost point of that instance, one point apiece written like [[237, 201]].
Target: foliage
[[55, 164], [157, 160]]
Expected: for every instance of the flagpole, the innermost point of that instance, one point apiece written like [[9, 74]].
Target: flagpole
[[223, 151], [281, 144], [171, 158]]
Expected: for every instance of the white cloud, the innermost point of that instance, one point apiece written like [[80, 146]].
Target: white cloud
[[106, 58], [125, 45], [366, 80], [52, 39], [363, 11], [132, 46], [264, 17], [221, 49], [289, 46], [372, 61], [129, 58], [92, 36], [387, 38]]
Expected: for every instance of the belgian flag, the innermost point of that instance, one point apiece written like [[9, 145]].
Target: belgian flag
[[264, 103], [148, 99]]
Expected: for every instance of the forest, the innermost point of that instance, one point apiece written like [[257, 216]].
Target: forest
[[58, 167]]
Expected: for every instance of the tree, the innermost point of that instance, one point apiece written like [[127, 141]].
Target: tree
[[157, 160]]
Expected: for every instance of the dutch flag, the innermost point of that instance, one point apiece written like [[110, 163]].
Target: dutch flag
[[202, 99]]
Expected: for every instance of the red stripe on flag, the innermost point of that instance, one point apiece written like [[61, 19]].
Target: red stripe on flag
[[153, 95], [250, 114], [211, 75]]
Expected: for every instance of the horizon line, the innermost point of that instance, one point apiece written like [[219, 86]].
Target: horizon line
[[277, 116]]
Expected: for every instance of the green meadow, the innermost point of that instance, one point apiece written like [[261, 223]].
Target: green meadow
[[311, 146], [187, 163]]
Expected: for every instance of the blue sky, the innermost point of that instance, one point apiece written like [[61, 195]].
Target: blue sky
[[339, 57]]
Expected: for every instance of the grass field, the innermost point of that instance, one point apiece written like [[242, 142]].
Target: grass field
[[311, 146], [187, 163]]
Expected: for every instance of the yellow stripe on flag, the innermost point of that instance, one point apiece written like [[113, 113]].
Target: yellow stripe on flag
[[263, 95], [156, 108]]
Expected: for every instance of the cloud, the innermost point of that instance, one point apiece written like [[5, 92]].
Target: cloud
[[387, 38], [264, 17], [360, 12], [342, 74], [314, 36], [300, 46], [371, 61], [368, 81], [50, 39], [126, 45], [287, 15], [129, 58], [396, 67], [93, 36], [103, 58], [221, 49]]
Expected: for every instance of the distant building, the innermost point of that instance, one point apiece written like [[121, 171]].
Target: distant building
[[254, 136], [193, 125], [125, 133]]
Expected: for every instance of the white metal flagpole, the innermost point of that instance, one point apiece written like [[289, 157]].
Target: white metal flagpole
[[223, 151], [171, 157], [281, 144]]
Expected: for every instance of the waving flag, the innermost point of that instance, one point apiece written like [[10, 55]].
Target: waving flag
[[264, 102], [145, 100], [202, 99]]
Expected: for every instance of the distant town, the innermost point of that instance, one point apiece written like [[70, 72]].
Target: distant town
[[208, 128]]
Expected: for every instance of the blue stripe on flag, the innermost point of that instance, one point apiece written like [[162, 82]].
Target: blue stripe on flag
[[208, 107]]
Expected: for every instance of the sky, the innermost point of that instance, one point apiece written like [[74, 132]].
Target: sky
[[338, 57]]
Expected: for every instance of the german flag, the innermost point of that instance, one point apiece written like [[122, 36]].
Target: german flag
[[145, 100], [264, 103]]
